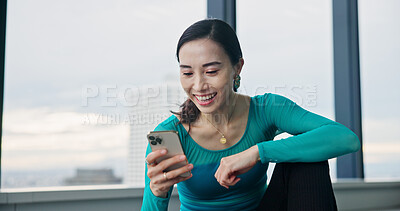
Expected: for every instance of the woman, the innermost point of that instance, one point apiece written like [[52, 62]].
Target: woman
[[227, 137]]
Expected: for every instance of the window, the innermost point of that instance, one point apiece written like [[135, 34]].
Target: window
[[379, 63], [74, 72], [287, 48]]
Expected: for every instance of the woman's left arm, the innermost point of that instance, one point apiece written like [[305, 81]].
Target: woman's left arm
[[315, 138]]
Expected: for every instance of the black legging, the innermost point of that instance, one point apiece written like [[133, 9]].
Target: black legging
[[299, 186]]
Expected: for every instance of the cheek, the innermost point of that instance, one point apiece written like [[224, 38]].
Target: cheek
[[222, 83], [185, 83]]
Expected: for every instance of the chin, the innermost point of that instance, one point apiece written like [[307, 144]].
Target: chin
[[209, 108]]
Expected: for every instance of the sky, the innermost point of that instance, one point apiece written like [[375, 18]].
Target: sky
[[67, 61]]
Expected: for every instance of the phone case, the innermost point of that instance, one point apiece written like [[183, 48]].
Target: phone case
[[167, 140]]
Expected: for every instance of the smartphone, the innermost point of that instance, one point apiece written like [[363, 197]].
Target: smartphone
[[167, 140]]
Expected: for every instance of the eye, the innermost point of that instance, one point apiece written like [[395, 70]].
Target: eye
[[212, 72], [188, 74]]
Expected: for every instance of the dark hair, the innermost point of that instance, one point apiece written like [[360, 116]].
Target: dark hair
[[219, 32]]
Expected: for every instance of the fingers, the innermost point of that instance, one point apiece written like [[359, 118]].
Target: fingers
[[156, 171], [153, 156], [176, 179], [226, 180], [232, 166], [231, 183], [170, 161], [160, 181], [232, 180], [177, 172], [159, 185], [172, 177], [223, 175]]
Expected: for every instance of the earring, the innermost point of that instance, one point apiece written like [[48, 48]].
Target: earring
[[236, 82]]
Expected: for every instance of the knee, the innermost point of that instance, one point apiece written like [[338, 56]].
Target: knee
[[305, 168]]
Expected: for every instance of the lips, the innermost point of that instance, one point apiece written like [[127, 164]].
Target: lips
[[205, 99]]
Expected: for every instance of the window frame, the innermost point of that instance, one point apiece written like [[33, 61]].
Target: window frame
[[346, 70]]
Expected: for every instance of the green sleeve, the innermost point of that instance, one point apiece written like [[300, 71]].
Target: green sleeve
[[315, 138], [150, 201]]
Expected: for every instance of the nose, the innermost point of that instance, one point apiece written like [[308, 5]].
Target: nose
[[200, 83]]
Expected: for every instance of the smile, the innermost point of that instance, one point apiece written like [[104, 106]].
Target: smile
[[205, 99]]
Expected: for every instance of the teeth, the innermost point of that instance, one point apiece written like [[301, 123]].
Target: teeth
[[204, 98]]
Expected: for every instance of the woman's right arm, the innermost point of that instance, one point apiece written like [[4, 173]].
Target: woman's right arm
[[157, 191]]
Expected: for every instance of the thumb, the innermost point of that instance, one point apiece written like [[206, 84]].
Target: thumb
[[231, 178]]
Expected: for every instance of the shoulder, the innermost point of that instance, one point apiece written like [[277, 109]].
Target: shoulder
[[169, 124], [271, 99]]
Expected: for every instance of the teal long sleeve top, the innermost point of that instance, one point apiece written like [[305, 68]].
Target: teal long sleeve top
[[315, 138]]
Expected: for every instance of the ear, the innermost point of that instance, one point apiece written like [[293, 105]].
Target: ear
[[238, 67]]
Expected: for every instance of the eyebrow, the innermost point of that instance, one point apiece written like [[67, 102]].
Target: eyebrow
[[211, 63], [204, 65]]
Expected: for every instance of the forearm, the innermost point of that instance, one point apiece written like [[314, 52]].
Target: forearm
[[328, 141], [150, 201], [154, 203]]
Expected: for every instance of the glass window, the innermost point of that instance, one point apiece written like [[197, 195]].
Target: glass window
[[80, 79], [287, 48], [379, 27]]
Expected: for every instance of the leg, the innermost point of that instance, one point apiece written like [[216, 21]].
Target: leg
[[275, 197], [310, 187], [300, 186]]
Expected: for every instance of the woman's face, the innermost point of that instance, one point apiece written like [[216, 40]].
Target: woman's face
[[207, 74]]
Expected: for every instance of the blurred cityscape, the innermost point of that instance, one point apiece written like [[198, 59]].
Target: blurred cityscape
[[153, 104], [93, 177], [59, 177]]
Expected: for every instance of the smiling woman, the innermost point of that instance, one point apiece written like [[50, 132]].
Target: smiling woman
[[207, 83], [231, 173]]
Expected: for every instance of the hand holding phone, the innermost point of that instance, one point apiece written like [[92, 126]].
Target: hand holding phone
[[170, 141], [167, 163]]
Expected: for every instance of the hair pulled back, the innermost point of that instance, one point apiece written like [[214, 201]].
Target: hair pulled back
[[219, 32]]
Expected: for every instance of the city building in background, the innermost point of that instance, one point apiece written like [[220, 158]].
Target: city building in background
[[151, 105], [93, 177]]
